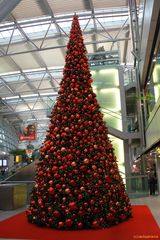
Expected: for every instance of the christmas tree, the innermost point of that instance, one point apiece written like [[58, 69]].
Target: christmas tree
[[78, 185]]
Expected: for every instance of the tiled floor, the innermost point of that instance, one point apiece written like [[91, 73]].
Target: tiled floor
[[153, 202]]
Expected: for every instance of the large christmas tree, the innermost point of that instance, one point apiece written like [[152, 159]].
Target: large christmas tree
[[78, 185]]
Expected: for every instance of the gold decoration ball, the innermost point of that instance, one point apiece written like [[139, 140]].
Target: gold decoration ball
[[86, 161], [73, 164], [67, 190]]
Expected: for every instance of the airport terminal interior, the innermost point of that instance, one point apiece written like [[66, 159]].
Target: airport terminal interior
[[122, 41]]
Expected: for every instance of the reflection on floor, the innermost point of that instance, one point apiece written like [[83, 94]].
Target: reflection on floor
[[153, 202]]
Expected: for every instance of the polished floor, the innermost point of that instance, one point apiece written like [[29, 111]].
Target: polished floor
[[153, 202]]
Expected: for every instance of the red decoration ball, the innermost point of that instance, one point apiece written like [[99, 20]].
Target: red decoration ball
[[95, 224], [72, 205], [51, 190], [80, 225], [80, 196], [92, 202], [69, 222], [56, 214], [60, 224], [83, 168], [49, 209], [72, 183]]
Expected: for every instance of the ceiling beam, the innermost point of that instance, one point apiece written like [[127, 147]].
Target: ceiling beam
[[63, 46], [125, 48], [68, 17]]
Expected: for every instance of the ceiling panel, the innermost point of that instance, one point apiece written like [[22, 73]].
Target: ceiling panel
[[22, 88], [20, 47], [53, 57], [26, 61], [109, 3], [5, 92], [27, 9], [61, 6], [6, 65]]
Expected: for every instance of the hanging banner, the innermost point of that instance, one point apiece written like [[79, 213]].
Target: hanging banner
[[28, 132]]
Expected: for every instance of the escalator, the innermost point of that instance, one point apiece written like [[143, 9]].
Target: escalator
[[26, 173]]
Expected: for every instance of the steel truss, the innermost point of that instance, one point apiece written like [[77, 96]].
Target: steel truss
[[100, 35]]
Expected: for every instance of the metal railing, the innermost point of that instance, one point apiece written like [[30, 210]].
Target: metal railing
[[136, 186]]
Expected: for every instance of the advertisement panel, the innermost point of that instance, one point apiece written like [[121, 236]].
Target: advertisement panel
[[28, 132]]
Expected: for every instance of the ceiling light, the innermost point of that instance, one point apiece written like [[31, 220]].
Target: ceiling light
[[49, 94], [9, 98]]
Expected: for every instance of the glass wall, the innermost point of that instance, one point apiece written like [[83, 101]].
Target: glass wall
[[106, 87], [8, 137], [152, 94], [119, 153], [140, 15]]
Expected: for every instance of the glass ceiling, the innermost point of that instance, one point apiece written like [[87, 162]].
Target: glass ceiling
[[33, 35], [48, 28]]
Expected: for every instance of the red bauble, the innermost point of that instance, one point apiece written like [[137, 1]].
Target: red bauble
[[95, 224], [56, 214], [96, 210], [97, 193], [81, 213], [69, 222], [33, 202], [51, 190], [83, 168], [77, 152], [95, 174], [54, 168], [62, 135], [92, 202], [40, 201], [76, 191], [69, 156], [49, 209], [94, 167], [101, 202], [80, 225], [58, 185], [60, 224], [80, 196], [72, 205], [123, 217], [76, 171], [110, 217], [72, 183]]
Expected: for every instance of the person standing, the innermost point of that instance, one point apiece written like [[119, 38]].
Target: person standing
[[152, 182]]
